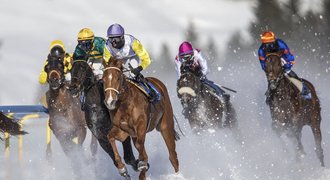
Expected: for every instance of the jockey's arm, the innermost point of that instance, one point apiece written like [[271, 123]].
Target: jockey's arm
[[262, 57], [67, 63], [287, 54], [202, 61], [142, 53], [43, 74], [178, 67], [106, 54]]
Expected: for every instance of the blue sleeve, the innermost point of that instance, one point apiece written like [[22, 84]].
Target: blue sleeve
[[286, 54], [262, 57]]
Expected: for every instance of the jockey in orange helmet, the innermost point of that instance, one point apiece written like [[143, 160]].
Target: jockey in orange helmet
[[192, 58], [271, 44]]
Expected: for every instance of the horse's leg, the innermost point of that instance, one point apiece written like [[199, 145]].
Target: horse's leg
[[117, 159], [231, 117], [93, 145], [128, 153], [297, 137], [81, 135], [139, 140], [168, 133], [318, 140]]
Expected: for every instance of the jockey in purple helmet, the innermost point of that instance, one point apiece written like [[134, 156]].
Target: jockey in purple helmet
[[192, 58], [127, 47]]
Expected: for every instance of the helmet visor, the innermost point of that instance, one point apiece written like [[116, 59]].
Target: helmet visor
[[86, 45], [187, 58], [116, 42]]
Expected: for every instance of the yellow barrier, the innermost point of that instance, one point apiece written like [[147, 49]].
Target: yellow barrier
[[20, 137]]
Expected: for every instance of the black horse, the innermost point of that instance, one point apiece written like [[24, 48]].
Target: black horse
[[201, 106], [289, 110], [96, 113]]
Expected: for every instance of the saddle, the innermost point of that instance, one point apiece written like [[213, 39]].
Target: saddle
[[146, 87]]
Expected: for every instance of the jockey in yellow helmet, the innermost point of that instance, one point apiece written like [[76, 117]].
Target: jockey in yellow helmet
[[57, 48], [91, 49]]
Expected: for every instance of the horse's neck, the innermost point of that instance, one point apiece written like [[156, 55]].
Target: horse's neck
[[93, 94], [59, 97]]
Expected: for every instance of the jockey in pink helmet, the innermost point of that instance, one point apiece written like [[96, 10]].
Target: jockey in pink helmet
[[192, 58]]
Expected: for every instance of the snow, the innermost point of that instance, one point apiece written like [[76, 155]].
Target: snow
[[27, 27]]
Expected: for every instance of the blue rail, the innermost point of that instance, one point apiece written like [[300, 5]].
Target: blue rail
[[24, 109]]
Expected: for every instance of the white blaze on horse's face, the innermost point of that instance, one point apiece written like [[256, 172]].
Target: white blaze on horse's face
[[110, 101]]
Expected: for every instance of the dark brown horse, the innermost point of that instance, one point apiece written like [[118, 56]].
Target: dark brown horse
[[133, 115], [10, 125], [201, 106], [66, 119], [289, 110]]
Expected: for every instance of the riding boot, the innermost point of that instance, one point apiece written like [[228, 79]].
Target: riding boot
[[220, 92], [306, 93]]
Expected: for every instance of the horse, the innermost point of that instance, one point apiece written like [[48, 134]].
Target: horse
[[66, 120], [133, 115], [10, 125], [84, 82], [289, 110], [201, 106]]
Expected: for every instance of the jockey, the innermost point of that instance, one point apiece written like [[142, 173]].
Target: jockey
[[91, 49], [127, 47], [192, 58], [57, 49], [271, 44]]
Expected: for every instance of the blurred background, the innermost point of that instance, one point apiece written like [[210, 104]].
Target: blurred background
[[228, 34]]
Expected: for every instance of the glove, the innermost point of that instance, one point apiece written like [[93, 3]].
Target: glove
[[68, 76], [283, 61], [136, 71]]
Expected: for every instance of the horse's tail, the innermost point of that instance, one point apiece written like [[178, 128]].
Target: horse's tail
[[231, 116], [10, 126], [176, 134]]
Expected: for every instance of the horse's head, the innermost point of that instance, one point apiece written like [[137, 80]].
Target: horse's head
[[55, 71], [81, 76], [273, 69], [113, 79], [188, 86]]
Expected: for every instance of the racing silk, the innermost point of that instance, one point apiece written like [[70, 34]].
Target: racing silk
[[282, 47], [67, 68], [199, 63], [94, 57], [132, 52]]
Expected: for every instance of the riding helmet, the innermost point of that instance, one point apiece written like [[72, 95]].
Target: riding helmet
[[185, 48], [268, 37]]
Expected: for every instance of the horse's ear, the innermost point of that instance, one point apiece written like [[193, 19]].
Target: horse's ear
[[105, 63]]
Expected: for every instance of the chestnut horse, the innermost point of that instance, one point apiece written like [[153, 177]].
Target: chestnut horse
[[289, 110], [201, 106], [133, 115], [96, 113], [66, 119], [10, 126]]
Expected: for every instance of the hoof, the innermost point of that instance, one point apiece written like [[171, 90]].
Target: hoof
[[133, 163], [141, 165], [123, 172]]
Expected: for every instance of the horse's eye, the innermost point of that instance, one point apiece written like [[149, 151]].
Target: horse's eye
[[46, 69]]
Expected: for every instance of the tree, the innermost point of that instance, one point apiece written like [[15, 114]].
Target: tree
[[212, 52], [191, 34], [165, 59]]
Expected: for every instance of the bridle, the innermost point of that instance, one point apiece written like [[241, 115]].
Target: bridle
[[280, 77], [86, 76], [121, 79]]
